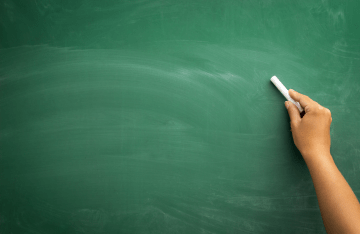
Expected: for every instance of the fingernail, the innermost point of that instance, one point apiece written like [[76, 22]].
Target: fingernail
[[287, 105]]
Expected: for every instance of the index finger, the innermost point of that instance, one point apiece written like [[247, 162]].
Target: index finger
[[304, 100]]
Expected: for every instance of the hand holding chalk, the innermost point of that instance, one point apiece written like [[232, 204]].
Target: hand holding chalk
[[312, 132], [285, 92]]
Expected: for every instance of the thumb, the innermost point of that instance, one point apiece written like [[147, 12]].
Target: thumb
[[293, 113]]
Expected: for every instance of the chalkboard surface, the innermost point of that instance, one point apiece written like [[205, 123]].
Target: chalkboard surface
[[159, 116]]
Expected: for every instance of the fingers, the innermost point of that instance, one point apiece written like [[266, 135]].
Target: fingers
[[293, 113], [304, 100]]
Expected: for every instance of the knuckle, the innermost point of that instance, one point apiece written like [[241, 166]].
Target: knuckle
[[319, 110], [315, 110], [327, 112]]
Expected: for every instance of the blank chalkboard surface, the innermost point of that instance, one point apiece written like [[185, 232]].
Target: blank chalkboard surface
[[158, 116]]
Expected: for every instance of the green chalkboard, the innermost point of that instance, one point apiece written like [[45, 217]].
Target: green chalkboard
[[159, 116]]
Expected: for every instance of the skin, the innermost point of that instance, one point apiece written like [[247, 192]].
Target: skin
[[339, 207]]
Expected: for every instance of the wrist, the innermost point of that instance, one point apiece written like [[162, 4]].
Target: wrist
[[314, 158]]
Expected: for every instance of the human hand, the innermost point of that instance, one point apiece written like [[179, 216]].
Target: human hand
[[311, 133]]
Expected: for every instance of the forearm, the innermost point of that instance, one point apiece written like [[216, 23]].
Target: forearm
[[340, 209]]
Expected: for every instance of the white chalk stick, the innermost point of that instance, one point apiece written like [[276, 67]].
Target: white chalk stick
[[285, 92]]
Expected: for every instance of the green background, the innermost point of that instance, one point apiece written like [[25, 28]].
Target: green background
[[159, 116]]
